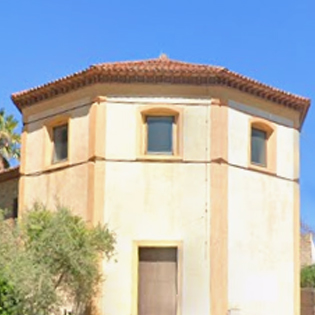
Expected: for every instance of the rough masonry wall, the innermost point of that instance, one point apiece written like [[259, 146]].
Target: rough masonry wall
[[306, 259], [307, 301], [8, 192], [306, 250]]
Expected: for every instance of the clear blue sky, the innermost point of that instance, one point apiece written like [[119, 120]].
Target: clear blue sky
[[272, 41]]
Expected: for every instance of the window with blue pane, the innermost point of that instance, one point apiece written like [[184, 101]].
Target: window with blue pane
[[258, 147], [160, 134]]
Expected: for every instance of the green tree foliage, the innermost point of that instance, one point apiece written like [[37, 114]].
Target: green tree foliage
[[8, 303], [308, 277], [49, 259], [9, 139]]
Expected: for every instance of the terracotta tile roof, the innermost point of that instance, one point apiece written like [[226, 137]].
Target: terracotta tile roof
[[159, 70], [9, 173]]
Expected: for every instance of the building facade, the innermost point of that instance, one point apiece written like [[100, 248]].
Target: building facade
[[195, 168]]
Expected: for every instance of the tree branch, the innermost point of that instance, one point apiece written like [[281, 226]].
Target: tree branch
[[59, 280]]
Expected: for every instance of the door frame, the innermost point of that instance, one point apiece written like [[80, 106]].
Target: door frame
[[135, 269]]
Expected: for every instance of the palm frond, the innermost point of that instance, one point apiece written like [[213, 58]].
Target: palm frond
[[9, 138]]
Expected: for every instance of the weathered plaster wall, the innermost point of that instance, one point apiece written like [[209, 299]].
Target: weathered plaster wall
[[67, 187], [307, 301], [261, 253], [64, 183], [169, 201], [160, 202], [261, 221]]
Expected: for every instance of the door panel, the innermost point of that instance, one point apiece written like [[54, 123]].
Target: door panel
[[157, 281]]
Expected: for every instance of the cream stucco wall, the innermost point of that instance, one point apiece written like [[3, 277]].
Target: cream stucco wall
[[158, 210], [161, 202], [170, 201], [150, 201], [260, 224], [261, 252], [65, 183], [288, 163], [67, 187]]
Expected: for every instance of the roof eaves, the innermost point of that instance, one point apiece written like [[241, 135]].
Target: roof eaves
[[9, 173], [160, 70], [53, 88], [265, 91]]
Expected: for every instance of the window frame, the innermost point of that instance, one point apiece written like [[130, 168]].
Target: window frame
[[49, 142], [270, 145], [265, 144], [160, 111], [54, 160]]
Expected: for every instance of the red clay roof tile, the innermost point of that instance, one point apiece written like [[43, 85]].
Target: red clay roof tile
[[160, 70], [9, 173]]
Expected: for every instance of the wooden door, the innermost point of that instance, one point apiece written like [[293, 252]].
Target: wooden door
[[157, 294]]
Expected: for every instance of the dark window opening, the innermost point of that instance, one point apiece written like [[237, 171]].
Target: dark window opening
[[15, 208], [259, 147], [60, 141]]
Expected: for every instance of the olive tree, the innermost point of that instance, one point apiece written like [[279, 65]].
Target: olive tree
[[51, 258]]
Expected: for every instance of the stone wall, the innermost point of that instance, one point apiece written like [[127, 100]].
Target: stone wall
[[306, 250], [307, 301], [9, 180]]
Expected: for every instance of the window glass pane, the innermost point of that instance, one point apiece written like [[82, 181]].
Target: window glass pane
[[157, 253], [160, 134], [258, 147], [60, 138]]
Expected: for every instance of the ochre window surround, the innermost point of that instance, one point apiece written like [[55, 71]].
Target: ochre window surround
[[267, 131], [49, 146], [147, 114]]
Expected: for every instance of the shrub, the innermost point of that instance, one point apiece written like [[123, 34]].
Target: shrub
[[308, 277], [52, 258]]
